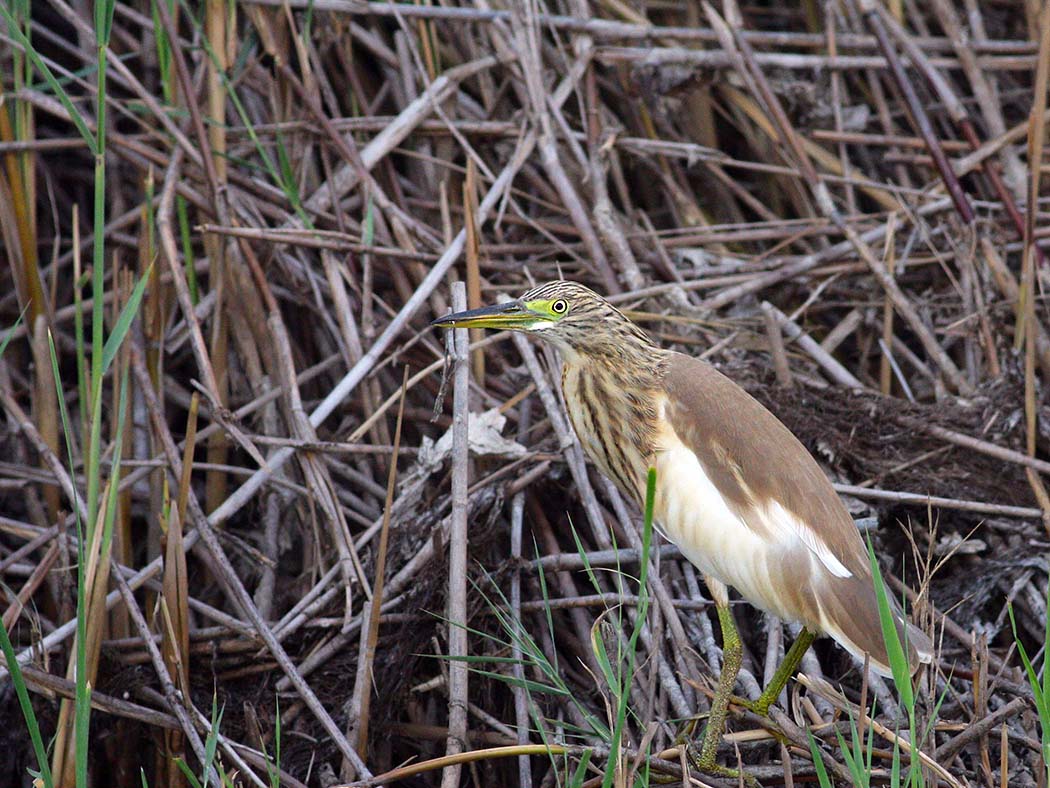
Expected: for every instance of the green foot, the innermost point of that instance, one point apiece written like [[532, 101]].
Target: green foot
[[687, 730], [759, 707], [708, 765]]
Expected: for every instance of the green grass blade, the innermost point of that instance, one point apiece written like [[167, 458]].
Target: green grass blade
[[28, 714], [368, 230], [211, 743], [542, 576], [82, 695], [186, 239], [11, 332], [187, 772], [579, 777], [894, 648], [1040, 693], [123, 324], [18, 35], [818, 761], [622, 688]]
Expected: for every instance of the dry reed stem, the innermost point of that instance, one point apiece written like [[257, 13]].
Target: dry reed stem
[[729, 181]]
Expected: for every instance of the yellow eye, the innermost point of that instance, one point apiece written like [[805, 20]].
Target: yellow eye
[[560, 307]]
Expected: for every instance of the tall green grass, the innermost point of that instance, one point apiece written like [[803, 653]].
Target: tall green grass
[[1039, 681], [99, 508], [43, 773], [857, 753], [617, 663]]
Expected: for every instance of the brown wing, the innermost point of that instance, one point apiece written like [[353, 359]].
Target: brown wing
[[759, 466]]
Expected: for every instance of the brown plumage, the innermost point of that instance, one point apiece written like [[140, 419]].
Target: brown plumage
[[736, 491]]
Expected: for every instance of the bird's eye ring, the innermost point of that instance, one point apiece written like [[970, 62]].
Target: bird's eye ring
[[559, 307]]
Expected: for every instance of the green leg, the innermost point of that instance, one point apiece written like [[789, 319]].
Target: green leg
[[732, 655], [783, 673]]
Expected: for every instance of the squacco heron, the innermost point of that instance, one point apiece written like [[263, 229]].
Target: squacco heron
[[735, 489]]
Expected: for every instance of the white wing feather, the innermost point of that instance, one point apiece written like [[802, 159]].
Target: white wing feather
[[785, 523]]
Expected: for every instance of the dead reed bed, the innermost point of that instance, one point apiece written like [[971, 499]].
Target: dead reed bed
[[254, 506]]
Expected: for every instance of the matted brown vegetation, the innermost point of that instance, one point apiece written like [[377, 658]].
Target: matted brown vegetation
[[831, 201]]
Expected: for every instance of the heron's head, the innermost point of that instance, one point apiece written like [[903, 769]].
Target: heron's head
[[574, 318]]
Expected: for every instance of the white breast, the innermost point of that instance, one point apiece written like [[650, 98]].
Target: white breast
[[693, 515]]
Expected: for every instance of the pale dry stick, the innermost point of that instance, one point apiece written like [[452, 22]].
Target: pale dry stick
[[776, 346], [574, 457], [712, 58], [921, 499], [983, 90], [984, 447], [879, 24], [808, 263], [794, 332], [234, 586], [457, 548], [521, 701], [525, 40], [889, 253], [390, 137], [837, 88], [970, 162], [166, 236], [360, 702], [361, 369], [603, 211], [843, 704], [52, 461], [893, 369], [116, 62], [842, 330], [823, 200], [617, 29], [177, 702]]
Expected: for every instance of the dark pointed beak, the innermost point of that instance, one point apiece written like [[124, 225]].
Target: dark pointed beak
[[512, 315]]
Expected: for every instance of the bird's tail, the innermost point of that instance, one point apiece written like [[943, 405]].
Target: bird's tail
[[860, 633]]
